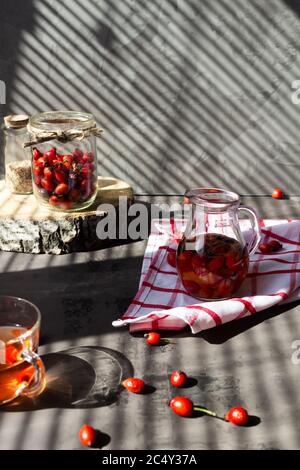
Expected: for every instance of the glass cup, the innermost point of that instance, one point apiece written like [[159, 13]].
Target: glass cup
[[22, 372]]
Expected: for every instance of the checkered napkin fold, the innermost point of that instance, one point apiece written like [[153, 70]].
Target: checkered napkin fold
[[161, 302]]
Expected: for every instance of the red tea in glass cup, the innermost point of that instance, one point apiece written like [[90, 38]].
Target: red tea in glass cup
[[212, 256], [21, 369]]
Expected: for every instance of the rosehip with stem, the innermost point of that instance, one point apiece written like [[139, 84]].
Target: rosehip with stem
[[183, 406]]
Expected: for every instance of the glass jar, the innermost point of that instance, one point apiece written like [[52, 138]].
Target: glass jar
[[17, 159], [213, 256], [64, 161]]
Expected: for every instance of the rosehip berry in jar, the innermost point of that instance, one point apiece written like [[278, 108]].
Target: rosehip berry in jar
[[42, 162], [48, 172], [50, 155], [85, 171], [37, 180], [61, 176], [67, 162], [59, 158], [36, 153], [77, 154], [54, 200], [88, 158], [74, 195], [38, 171], [61, 188], [66, 205], [47, 184]]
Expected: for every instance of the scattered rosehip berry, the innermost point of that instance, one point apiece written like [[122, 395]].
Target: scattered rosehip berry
[[277, 193], [270, 247], [264, 248], [178, 378], [275, 245], [87, 435], [152, 338], [237, 415], [134, 385], [182, 406]]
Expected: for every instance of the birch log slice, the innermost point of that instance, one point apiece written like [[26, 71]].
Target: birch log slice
[[27, 227]]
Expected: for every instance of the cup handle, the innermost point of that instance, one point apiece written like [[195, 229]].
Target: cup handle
[[37, 385], [255, 227]]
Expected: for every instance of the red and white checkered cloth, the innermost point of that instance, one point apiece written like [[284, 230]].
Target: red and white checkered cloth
[[161, 302]]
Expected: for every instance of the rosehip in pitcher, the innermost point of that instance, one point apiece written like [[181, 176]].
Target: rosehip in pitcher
[[213, 256]]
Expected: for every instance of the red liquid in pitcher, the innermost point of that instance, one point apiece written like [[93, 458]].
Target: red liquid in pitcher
[[216, 270]]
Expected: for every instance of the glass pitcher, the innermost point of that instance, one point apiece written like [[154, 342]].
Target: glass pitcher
[[212, 255]]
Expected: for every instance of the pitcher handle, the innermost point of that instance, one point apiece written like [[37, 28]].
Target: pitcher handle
[[255, 227]]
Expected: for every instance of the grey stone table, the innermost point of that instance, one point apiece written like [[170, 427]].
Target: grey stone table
[[247, 362]]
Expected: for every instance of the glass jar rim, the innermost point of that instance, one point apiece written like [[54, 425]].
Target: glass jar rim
[[53, 120], [212, 197]]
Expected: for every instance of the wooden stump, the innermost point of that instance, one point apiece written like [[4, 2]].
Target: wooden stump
[[27, 227]]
